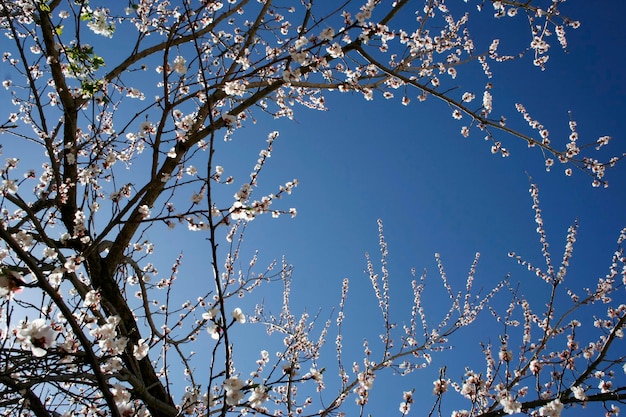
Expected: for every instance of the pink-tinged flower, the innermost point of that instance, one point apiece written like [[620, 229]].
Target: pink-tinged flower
[[234, 397], [180, 65], [579, 393], [37, 336], [327, 34], [140, 350], [440, 386], [552, 409], [300, 42], [8, 186], [535, 366], [258, 396], [235, 88], [92, 299], [214, 331], [229, 119], [605, 386], [10, 283], [144, 211], [233, 386], [189, 401], [335, 50], [467, 97], [510, 406], [120, 394], [317, 375], [505, 355]]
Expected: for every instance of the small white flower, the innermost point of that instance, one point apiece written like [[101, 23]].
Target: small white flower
[[258, 396], [211, 314], [467, 97], [605, 386], [234, 397], [180, 65], [229, 119], [197, 197], [233, 386], [214, 331], [510, 406], [99, 25], [327, 34], [316, 375], [189, 400], [36, 336], [146, 128], [50, 253], [140, 350], [552, 409], [579, 393], [233, 383], [8, 186], [440, 386], [335, 50], [300, 42], [505, 355], [238, 315], [92, 299], [9, 283], [144, 211], [235, 88]]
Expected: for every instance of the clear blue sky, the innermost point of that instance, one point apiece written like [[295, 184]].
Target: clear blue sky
[[438, 192], [435, 192]]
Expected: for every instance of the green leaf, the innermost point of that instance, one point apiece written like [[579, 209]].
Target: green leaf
[[97, 61]]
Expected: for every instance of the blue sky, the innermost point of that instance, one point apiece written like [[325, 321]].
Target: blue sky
[[434, 190], [438, 192]]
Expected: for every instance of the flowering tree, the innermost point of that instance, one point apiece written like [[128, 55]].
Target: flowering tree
[[120, 117]]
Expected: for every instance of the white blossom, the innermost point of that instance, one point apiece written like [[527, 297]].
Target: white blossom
[[579, 393], [335, 50], [552, 409], [100, 25], [327, 34], [180, 65], [235, 88], [510, 406], [140, 350], [258, 396], [238, 315], [37, 336]]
